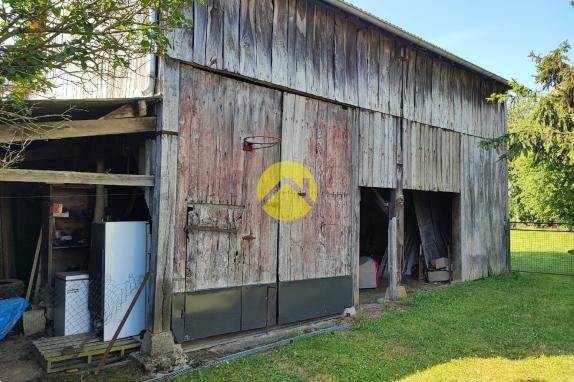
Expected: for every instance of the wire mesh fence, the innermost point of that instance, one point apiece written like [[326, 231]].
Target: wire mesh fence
[[10, 288], [76, 304], [542, 247]]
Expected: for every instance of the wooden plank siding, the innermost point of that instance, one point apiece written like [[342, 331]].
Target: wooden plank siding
[[431, 158], [377, 149], [483, 210], [346, 98], [293, 44], [218, 180], [319, 135]]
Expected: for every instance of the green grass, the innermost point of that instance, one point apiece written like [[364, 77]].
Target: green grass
[[542, 251], [510, 327]]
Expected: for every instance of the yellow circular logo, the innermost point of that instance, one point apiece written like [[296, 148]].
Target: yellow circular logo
[[287, 190]]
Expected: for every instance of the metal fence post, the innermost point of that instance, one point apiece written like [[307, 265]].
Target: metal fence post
[[508, 251]]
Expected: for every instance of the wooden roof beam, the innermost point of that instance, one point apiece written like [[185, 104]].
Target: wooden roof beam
[[72, 177], [77, 129]]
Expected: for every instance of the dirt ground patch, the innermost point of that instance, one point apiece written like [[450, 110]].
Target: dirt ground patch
[[17, 361]]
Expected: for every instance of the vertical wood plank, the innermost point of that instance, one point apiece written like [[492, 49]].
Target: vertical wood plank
[[395, 78], [199, 32], [351, 88], [280, 58], [214, 35], [339, 52], [300, 46], [363, 67], [373, 41], [410, 84], [313, 45], [247, 48], [264, 39], [231, 35]]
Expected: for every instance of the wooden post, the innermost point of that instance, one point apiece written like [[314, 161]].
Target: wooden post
[[393, 292], [356, 207], [399, 200], [165, 200], [7, 264], [100, 202]]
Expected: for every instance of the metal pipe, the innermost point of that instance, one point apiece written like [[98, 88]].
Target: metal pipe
[[258, 349], [152, 65], [122, 323]]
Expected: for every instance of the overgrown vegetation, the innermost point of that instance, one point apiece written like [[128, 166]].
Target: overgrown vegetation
[[40, 40], [540, 141], [512, 327], [540, 189]]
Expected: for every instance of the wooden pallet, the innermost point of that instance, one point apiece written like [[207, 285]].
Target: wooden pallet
[[80, 351]]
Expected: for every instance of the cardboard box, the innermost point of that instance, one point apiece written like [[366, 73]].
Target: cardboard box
[[441, 262], [438, 276]]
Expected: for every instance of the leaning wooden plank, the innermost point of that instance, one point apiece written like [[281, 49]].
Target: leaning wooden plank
[[75, 129], [72, 177]]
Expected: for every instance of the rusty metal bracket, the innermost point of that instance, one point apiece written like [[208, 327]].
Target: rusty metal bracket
[[166, 132], [258, 142], [211, 229]]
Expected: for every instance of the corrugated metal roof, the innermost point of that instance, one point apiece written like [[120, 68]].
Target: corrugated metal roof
[[372, 19]]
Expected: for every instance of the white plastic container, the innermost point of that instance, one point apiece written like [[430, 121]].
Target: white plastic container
[[71, 313]]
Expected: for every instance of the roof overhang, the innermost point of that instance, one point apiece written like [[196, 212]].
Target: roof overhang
[[75, 109], [376, 21]]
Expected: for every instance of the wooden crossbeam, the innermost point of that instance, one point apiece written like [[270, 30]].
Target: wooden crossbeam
[[72, 177], [77, 129]]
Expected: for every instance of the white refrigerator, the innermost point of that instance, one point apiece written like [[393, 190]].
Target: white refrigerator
[[121, 259]]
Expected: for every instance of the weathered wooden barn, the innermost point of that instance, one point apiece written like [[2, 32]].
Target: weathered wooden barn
[[367, 107]]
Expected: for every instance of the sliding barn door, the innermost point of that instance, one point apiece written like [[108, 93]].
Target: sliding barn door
[[315, 251], [230, 243]]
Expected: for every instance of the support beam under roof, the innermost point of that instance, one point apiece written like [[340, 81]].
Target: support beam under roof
[[76, 129], [72, 177]]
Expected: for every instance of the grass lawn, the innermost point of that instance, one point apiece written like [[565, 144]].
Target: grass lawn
[[542, 251], [513, 327]]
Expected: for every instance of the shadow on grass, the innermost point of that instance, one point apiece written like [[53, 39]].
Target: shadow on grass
[[508, 321]]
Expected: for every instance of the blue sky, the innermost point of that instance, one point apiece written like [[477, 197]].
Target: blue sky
[[497, 35]]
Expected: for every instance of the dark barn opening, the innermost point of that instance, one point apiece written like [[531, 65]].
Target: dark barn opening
[[428, 240]]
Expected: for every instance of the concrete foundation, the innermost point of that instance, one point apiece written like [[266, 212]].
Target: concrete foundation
[[159, 353], [402, 292]]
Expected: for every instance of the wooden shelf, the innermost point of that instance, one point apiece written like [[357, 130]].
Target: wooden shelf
[[70, 254], [70, 246], [71, 218]]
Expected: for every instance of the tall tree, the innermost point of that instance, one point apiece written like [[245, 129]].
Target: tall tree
[[540, 140], [83, 38]]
